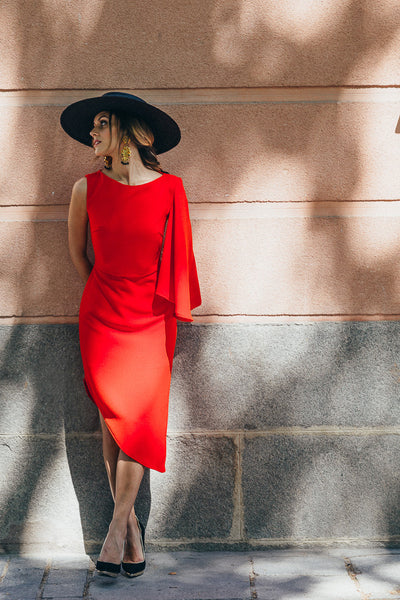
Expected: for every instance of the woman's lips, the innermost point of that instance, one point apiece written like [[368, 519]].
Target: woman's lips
[[96, 143]]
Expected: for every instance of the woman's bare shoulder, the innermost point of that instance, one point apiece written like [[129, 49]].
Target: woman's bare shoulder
[[80, 187], [78, 197], [79, 192]]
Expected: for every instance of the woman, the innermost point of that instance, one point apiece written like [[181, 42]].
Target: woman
[[143, 279]]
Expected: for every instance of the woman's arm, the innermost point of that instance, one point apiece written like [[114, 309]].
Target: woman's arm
[[78, 229]]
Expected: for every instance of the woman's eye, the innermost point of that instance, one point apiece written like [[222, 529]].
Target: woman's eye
[[103, 122]]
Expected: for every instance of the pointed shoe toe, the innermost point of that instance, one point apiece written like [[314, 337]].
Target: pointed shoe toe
[[107, 568], [133, 569]]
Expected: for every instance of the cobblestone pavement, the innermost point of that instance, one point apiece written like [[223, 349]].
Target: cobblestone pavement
[[315, 574]]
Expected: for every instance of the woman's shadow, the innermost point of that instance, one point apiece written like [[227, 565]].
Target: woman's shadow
[[85, 460]]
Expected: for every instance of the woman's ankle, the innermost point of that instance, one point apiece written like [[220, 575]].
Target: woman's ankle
[[118, 527]]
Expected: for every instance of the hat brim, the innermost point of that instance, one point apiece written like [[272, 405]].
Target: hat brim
[[77, 119]]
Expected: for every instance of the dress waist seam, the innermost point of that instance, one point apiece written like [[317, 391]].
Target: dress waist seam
[[134, 278]]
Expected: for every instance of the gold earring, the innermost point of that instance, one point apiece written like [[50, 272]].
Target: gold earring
[[126, 151], [107, 162]]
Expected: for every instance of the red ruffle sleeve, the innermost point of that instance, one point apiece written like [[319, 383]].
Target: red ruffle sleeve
[[177, 277]]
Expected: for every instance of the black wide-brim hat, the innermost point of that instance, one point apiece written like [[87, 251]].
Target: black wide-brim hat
[[77, 118]]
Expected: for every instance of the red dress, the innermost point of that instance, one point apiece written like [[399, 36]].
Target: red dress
[[128, 312]]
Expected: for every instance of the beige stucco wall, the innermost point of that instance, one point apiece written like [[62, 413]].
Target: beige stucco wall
[[215, 43], [289, 103]]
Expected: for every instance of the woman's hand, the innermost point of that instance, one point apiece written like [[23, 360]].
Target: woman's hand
[[78, 229]]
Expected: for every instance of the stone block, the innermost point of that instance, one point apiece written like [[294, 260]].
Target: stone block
[[194, 502], [194, 499], [253, 377], [39, 497], [85, 463], [42, 381], [321, 487], [225, 377]]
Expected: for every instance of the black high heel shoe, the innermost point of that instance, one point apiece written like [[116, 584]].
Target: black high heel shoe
[[107, 568], [136, 569]]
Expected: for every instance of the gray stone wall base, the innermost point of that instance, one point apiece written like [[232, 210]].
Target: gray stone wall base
[[279, 436]]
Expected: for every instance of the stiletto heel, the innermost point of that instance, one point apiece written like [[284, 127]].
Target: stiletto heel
[[136, 569]]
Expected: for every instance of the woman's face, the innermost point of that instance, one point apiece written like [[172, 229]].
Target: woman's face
[[104, 139]]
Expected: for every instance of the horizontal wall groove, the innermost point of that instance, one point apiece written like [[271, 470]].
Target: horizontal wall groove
[[34, 213], [254, 544], [10, 321], [221, 95], [280, 319], [232, 210], [294, 431], [322, 541], [214, 319]]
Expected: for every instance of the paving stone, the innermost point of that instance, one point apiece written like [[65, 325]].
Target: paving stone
[[306, 587], [313, 574], [62, 590], [378, 574], [310, 486], [272, 563], [65, 582], [18, 591], [73, 561], [22, 579], [199, 576], [4, 560], [302, 574]]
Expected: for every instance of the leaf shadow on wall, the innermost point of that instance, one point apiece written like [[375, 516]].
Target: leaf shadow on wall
[[334, 169]]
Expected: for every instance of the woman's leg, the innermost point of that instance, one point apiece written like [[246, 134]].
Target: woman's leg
[[110, 454], [125, 476]]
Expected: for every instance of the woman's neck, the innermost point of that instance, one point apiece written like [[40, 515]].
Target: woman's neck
[[133, 174]]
